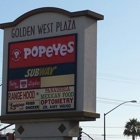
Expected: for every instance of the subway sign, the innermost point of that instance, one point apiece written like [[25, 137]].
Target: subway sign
[[42, 74]]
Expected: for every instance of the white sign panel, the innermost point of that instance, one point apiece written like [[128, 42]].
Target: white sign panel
[[53, 98]]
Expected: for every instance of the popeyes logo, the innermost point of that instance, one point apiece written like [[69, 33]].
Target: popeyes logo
[[16, 55], [55, 49], [43, 52], [38, 51]]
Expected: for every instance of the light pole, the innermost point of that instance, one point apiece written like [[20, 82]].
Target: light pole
[[133, 101]]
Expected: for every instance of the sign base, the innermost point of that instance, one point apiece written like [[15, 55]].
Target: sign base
[[58, 130]]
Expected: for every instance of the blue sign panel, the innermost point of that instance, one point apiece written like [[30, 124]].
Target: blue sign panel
[[3, 138]]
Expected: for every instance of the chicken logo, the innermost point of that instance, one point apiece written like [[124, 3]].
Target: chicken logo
[[16, 55]]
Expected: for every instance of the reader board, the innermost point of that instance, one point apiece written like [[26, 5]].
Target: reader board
[[42, 74]]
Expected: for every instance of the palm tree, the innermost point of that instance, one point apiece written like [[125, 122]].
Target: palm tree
[[132, 128]]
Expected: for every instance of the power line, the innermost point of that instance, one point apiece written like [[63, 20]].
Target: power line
[[119, 81], [101, 127], [110, 102], [6, 127], [106, 102], [109, 135], [113, 101], [110, 99], [116, 78]]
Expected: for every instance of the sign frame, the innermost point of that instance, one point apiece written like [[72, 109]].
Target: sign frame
[[75, 75]]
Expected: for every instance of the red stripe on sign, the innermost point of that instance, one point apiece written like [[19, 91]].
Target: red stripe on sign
[[42, 52], [29, 83]]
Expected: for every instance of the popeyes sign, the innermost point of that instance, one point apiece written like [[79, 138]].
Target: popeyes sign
[[43, 51]]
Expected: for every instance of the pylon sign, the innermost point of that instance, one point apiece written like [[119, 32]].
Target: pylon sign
[[51, 62], [42, 74]]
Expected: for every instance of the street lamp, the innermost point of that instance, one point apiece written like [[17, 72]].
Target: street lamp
[[133, 101]]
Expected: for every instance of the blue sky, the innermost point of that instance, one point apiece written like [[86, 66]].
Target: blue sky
[[118, 57]]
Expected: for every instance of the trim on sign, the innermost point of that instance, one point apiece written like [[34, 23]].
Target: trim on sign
[[87, 13]]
